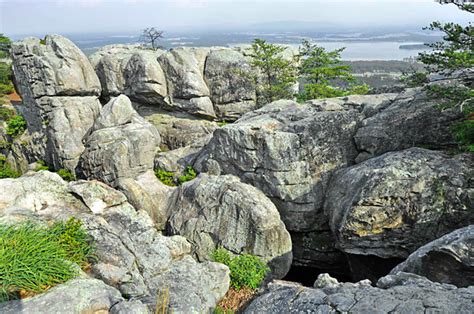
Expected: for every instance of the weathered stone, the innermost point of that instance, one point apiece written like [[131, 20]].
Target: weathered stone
[[390, 205], [81, 295], [403, 293], [52, 67], [122, 144], [411, 120], [448, 259], [220, 211]]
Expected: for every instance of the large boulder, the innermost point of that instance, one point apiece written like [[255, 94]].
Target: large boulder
[[391, 205], [448, 260], [412, 119], [132, 255], [288, 151], [402, 293], [53, 66], [220, 211], [122, 144], [59, 89], [228, 75]]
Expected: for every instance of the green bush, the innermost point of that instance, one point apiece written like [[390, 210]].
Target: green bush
[[34, 258], [6, 171], [66, 175], [245, 270], [464, 134], [6, 113], [166, 177], [189, 174], [41, 165], [16, 125]]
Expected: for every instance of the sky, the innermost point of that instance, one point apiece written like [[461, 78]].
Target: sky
[[94, 16]]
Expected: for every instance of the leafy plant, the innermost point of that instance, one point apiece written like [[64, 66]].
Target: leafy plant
[[34, 258], [16, 125], [166, 177], [6, 113], [245, 270], [5, 44], [5, 170], [189, 174], [222, 123], [464, 134], [41, 165], [320, 69], [66, 175]]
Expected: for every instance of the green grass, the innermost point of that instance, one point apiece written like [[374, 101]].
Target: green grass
[[245, 270], [189, 174], [16, 125], [34, 258], [5, 170], [41, 165], [166, 177], [66, 175]]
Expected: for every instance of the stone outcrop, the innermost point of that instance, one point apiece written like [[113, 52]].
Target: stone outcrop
[[131, 255], [59, 89], [390, 205], [121, 145], [448, 259], [220, 211], [401, 293]]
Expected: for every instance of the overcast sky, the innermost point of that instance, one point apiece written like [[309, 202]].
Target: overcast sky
[[81, 16]]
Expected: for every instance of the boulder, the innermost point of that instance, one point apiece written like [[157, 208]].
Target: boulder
[[122, 144], [53, 66], [228, 75], [412, 119], [220, 211], [288, 151], [81, 295], [402, 293], [177, 129], [448, 259], [145, 80], [391, 205]]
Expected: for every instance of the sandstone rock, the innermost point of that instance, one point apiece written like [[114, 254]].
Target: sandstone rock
[[220, 211], [122, 144], [448, 259], [228, 75], [52, 67], [411, 120], [145, 81], [390, 205], [82, 295], [403, 293], [288, 151], [177, 129]]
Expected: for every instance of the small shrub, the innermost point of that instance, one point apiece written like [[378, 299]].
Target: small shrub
[[34, 258], [245, 270], [16, 125], [222, 123], [464, 134], [66, 175], [189, 174], [166, 177], [41, 166], [6, 113], [6, 89], [6, 171]]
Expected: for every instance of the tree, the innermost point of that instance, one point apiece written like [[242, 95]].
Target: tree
[[320, 69], [276, 74], [5, 44], [151, 36]]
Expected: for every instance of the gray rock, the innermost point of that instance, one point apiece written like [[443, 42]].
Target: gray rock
[[390, 205], [52, 67], [130, 307], [122, 144], [411, 120], [448, 259], [288, 151], [145, 80], [81, 295], [403, 293], [228, 75], [220, 211]]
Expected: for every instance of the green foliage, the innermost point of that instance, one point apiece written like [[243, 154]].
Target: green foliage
[[5, 170], [221, 310], [41, 165], [464, 134], [6, 85], [34, 258], [320, 68], [5, 44], [189, 174], [43, 41], [415, 79], [16, 125], [6, 113], [245, 270], [276, 75], [222, 123], [166, 177], [66, 175]]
